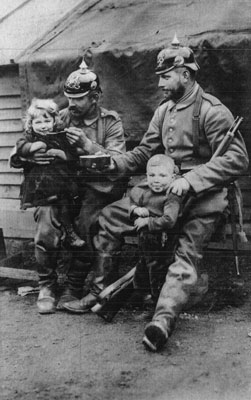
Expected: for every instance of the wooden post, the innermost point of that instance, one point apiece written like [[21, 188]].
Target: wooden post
[[2, 245]]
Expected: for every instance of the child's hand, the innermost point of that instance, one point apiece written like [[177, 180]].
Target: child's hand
[[141, 212], [140, 223], [57, 153], [38, 146]]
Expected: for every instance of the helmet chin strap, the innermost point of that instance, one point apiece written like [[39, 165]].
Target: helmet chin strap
[[93, 110]]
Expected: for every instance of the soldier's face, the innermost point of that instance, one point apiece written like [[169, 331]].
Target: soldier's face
[[159, 177], [172, 84], [80, 106]]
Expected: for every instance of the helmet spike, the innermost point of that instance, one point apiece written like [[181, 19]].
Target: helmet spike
[[175, 42], [83, 66]]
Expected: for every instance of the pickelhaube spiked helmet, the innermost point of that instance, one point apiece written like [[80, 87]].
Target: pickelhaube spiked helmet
[[174, 57], [79, 83]]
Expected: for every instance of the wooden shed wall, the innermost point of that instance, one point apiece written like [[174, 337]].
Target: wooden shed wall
[[14, 222]]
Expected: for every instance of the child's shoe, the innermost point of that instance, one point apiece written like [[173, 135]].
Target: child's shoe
[[72, 239]]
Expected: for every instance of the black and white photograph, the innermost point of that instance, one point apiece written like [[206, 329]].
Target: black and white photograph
[[125, 199]]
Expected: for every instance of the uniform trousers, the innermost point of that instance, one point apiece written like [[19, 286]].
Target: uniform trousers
[[194, 234], [49, 235]]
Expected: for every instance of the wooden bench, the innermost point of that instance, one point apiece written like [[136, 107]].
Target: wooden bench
[[231, 245]]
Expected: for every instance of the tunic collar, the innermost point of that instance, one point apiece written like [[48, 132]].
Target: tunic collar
[[186, 100]]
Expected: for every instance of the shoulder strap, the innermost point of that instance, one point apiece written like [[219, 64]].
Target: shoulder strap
[[100, 136], [162, 116], [196, 122]]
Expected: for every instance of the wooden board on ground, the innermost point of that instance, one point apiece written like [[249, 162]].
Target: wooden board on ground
[[20, 274]]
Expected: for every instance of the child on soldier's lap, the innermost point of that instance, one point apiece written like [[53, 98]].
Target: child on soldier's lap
[[53, 182], [155, 212]]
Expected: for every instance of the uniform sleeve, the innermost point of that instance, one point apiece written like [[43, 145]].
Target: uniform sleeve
[[114, 139], [135, 199], [169, 218], [23, 147], [136, 159], [225, 168], [19, 153]]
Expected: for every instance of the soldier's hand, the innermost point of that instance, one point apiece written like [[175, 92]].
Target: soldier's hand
[[40, 157], [38, 146], [140, 223], [57, 153], [78, 137], [112, 167], [141, 212], [179, 187]]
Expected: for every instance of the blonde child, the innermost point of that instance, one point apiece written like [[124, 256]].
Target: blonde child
[[51, 181]]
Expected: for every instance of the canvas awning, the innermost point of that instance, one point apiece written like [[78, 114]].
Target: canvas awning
[[125, 37]]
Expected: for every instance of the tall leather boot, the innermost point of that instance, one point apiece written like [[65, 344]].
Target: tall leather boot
[[46, 268], [106, 271], [171, 300], [74, 283]]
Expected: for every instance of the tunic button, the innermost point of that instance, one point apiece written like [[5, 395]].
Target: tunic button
[[170, 129], [172, 120], [170, 140], [171, 150]]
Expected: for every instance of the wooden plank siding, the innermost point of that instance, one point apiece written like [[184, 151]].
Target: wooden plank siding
[[9, 191], [4, 151], [15, 222]]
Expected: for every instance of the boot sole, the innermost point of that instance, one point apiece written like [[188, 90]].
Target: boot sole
[[50, 310], [46, 306], [77, 311], [149, 345], [155, 338], [47, 312]]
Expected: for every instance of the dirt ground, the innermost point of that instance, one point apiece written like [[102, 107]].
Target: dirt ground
[[64, 356]]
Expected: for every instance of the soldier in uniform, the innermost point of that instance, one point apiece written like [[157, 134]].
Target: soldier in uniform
[[188, 126], [92, 129]]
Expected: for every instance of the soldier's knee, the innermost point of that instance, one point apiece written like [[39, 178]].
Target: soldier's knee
[[105, 212], [182, 271], [48, 229]]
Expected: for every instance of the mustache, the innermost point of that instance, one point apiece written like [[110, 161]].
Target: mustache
[[73, 108]]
